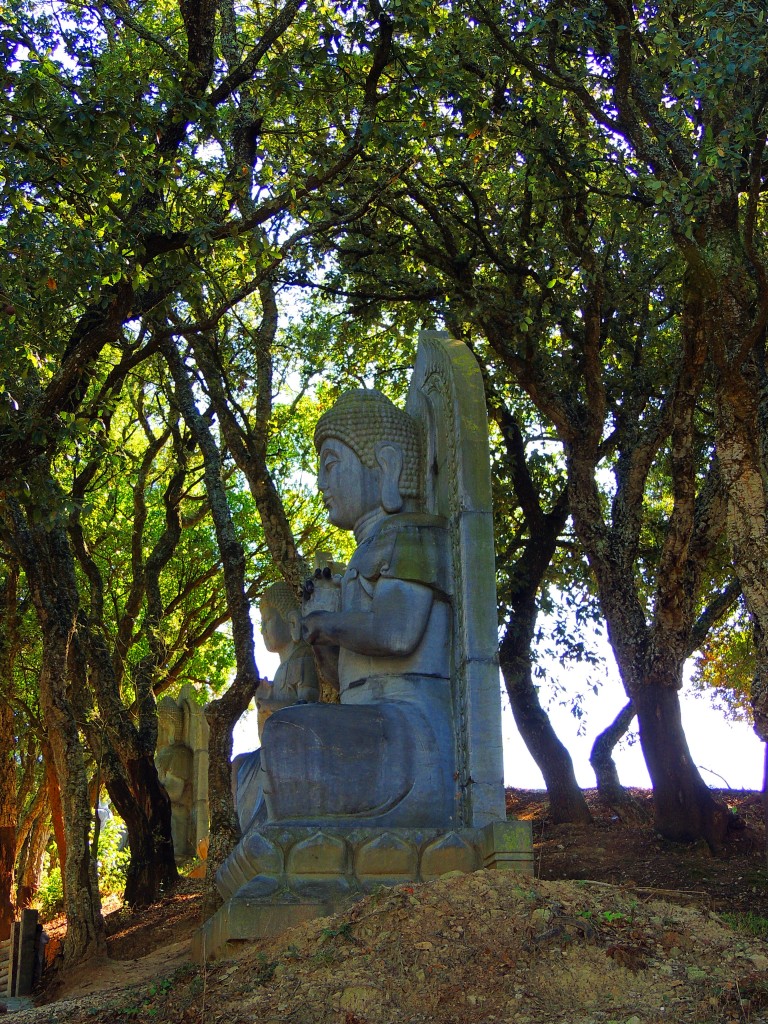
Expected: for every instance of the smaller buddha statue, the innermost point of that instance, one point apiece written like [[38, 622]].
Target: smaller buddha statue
[[295, 682]]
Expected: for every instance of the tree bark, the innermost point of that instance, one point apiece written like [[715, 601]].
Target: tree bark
[[30, 863], [224, 712], [54, 801], [520, 591], [85, 936], [124, 751], [609, 787], [46, 558], [684, 806], [601, 757], [9, 802], [566, 800], [152, 867], [8, 819], [143, 804]]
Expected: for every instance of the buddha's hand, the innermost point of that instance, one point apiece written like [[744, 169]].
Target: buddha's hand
[[312, 628]]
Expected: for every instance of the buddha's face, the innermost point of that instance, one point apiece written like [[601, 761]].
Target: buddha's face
[[275, 630], [350, 490]]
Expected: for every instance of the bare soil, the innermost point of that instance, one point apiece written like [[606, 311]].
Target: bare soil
[[618, 927]]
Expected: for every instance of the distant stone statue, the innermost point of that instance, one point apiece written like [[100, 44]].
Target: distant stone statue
[[295, 682], [182, 767]]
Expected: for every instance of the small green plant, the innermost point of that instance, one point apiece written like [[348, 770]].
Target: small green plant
[[112, 860], [50, 895], [333, 933], [612, 915], [749, 922], [264, 971], [161, 987]]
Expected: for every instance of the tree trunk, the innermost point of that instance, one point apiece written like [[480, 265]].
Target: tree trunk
[[566, 801], [148, 872], [9, 798], [609, 787], [131, 779], [8, 820], [520, 589], [156, 807], [85, 936], [222, 714], [143, 804], [30, 865], [684, 807], [742, 445], [46, 560], [601, 758], [54, 800]]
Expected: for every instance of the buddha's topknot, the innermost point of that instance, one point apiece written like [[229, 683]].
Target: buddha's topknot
[[363, 418]]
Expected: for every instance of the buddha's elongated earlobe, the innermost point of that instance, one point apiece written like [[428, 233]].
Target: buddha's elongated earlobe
[[293, 618], [390, 461]]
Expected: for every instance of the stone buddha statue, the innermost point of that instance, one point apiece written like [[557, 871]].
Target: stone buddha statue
[[385, 755], [403, 779], [296, 678], [174, 762]]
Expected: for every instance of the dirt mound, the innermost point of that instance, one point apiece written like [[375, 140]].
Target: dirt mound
[[471, 949]]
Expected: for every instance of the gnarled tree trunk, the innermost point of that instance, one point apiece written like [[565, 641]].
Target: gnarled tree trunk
[[8, 819], [609, 787], [566, 801], [684, 806], [46, 559], [30, 861]]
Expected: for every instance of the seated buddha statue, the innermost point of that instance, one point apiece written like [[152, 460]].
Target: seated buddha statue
[[385, 754], [295, 682]]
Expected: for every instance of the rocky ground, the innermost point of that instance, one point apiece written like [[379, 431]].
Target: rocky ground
[[618, 927]]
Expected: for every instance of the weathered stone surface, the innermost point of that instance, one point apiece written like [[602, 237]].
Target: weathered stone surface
[[248, 917], [397, 782], [182, 767], [264, 856], [295, 681], [321, 854], [386, 859], [508, 846], [448, 853], [328, 868]]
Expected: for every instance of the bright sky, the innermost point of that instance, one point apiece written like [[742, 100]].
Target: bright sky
[[728, 754]]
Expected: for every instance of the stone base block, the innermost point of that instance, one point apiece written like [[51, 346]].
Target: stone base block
[[278, 876], [246, 918]]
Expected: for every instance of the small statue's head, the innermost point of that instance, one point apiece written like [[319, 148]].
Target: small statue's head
[[369, 456], [280, 616], [170, 721]]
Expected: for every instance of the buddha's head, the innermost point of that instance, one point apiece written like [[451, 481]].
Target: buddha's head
[[369, 456], [170, 722], [280, 617]]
